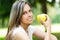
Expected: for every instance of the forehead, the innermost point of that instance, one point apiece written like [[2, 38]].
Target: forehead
[[26, 7]]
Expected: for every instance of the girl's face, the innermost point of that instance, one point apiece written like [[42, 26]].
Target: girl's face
[[27, 16]]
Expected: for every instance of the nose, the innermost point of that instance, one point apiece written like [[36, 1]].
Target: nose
[[30, 14]]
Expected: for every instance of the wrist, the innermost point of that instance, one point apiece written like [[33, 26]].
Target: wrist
[[48, 26], [48, 29]]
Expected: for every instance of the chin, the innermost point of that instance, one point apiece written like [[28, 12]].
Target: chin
[[30, 23]]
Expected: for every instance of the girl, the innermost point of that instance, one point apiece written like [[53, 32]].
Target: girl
[[19, 24]]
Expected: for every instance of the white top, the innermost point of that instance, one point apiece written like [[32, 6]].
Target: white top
[[30, 30]]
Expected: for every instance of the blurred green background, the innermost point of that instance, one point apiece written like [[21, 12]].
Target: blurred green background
[[50, 7]]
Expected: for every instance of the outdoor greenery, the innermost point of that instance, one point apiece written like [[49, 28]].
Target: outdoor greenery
[[52, 8]]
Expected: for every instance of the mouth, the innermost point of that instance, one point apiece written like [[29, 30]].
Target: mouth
[[30, 19]]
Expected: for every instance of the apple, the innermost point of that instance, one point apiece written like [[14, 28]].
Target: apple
[[42, 17]]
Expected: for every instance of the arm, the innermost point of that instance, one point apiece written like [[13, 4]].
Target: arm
[[40, 34], [47, 35]]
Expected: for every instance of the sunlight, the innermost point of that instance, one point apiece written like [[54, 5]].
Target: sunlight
[[55, 28], [3, 32], [49, 0]]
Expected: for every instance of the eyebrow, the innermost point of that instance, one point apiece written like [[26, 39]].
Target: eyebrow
[[29, 9]]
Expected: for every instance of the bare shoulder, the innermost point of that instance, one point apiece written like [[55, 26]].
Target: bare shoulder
[[20, 36]]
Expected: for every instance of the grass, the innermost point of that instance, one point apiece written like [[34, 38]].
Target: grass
[[57, 35], [2, 38]]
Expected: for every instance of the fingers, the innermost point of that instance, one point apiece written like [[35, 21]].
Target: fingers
[[46, 22], [42, 22], [47, 18]]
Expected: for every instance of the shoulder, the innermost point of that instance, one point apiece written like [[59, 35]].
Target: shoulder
[[19, 34], [16, 30], [31, 28]]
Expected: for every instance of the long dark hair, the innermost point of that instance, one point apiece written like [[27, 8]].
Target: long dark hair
[[15, 17]]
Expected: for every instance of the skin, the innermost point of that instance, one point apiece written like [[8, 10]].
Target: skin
[[27, 17], [26, 20]]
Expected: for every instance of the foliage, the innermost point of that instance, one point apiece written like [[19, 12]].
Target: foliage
[[5, 6], [56, 19], [1, 38]]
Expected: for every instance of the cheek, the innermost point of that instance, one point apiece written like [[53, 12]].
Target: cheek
[[24, 19]]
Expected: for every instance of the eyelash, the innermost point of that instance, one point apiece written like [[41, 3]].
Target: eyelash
[[30, 10], [24, 12]]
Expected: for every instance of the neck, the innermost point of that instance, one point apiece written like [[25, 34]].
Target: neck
[[25, 26]]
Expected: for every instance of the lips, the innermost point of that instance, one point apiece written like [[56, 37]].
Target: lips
[[30, 19]]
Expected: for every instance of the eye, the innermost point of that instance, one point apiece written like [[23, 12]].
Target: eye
[[30, 10], [25, 12]]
